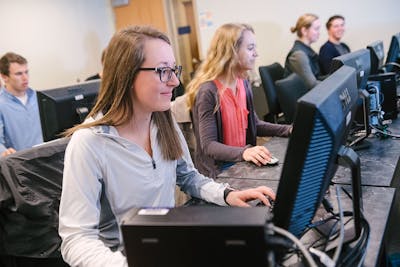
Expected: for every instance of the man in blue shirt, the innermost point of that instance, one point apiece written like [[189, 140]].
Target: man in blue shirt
[[333, 47], [20, 126]]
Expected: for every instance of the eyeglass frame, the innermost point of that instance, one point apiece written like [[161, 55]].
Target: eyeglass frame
[[160, 70]]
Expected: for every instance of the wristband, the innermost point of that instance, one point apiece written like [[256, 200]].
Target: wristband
[[226, 193]]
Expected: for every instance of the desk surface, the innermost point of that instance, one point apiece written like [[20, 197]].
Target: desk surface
[[277, 146], [377, 202], [378, 162]]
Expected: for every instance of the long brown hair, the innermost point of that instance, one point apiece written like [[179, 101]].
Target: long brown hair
[[124, 56]]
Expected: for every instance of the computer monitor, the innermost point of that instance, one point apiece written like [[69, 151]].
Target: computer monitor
[[360, 60], [63, 107], [323, 118], [393, 54], [377, 55]]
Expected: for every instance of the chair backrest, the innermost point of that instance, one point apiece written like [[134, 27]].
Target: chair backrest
[[30, 190], [182, 115], [288, 90], [269, 74]]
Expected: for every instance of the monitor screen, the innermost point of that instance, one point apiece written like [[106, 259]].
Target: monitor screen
[[61, 108], [377, 55], [323, 118], [360, 60], [393, 55]]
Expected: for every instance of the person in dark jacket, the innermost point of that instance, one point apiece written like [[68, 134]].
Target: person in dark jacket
[[333, 47], [302, 59], [220, 98]]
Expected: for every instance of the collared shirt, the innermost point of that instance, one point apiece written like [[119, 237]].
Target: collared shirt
[[20, 126]]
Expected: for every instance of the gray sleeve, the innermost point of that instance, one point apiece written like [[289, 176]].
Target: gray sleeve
[[300, 64], [2, 141], [272, 129], [79, 212], [195, 184]]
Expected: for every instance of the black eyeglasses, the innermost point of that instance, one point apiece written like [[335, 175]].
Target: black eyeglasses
[[166, 72]]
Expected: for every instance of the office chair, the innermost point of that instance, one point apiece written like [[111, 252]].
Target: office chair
[[178, 91], [30, 190], [269, 74], [288, 90]]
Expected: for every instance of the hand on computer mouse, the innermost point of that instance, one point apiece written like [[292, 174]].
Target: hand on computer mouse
[[259, 155], [241, 197], [259, 203], [273, 161]]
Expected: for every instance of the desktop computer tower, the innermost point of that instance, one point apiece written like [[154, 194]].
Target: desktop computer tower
[[388, 91], [196, 236]]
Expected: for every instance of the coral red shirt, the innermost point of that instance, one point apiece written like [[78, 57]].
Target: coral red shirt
[[234, 114]]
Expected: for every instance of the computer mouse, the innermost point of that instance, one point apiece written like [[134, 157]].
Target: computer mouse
[[261, 204], [273, 161]]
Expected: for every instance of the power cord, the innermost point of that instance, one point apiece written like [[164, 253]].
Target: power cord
[[360, 248], [303, 249], [341, 223], [385, 132], [353, 256], [358, 252]]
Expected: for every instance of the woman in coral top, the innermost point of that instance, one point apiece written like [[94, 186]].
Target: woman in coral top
[[221, 101]]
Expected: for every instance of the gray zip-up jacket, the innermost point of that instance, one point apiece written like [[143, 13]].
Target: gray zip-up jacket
[[105, 176]]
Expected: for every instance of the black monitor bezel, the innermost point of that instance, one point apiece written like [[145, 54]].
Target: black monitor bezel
[[63, 107], [352, 59], [393, 53], [377, 56], [290, 193]]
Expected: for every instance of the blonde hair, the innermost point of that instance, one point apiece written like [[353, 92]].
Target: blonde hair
[[222, 57], [124, 56], [304, 21]]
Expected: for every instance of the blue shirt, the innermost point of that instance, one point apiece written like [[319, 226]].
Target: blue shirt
[[20, 126], [329, 51]]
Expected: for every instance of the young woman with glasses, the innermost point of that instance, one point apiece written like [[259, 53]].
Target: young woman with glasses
[[129, 152]]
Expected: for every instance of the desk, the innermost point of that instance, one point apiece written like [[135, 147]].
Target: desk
[[377, 203], [378, 177], [244, 170], [378, 162]]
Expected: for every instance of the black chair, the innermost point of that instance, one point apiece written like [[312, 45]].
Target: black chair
[[288, 90], [30, 190], [269, 74], [178, 91]]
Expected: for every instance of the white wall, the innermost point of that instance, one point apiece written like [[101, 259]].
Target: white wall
[[366, 21], [61, 39]]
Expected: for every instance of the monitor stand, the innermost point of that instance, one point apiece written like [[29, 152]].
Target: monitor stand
[[358, 143], [348, 158], [356, 139]]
